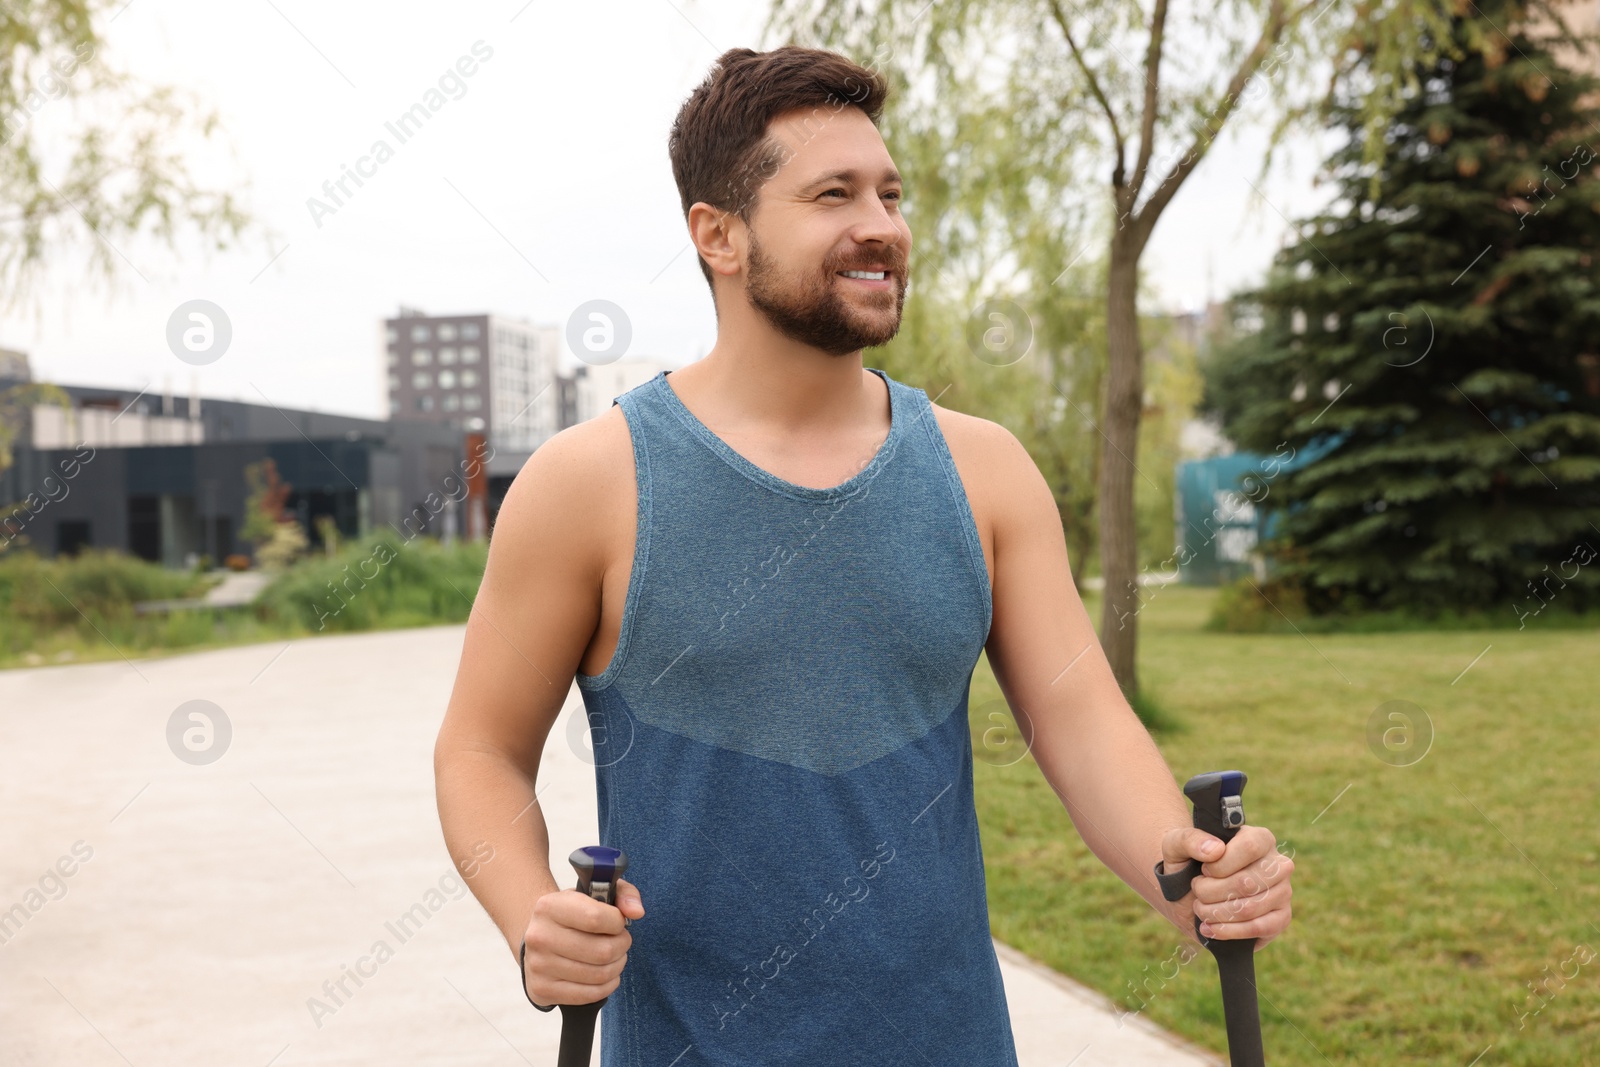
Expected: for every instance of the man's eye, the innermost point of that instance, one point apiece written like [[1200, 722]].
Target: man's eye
[[830, 192]]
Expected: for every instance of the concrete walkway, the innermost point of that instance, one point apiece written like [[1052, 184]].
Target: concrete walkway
[[160, 905]]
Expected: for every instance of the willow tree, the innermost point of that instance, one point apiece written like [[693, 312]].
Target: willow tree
[[1136, 93], [90, 156]]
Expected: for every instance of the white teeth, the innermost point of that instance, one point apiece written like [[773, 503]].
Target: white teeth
[[870, 275]]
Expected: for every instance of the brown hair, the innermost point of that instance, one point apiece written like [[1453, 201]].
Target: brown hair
[[721, 152]]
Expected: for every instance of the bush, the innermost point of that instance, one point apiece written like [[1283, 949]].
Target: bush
[[1243, 608], [286, 545], [83, 601], [1249, 606], [381, 582]]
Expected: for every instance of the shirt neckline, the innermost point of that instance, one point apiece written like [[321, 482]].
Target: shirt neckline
[[729, 455]]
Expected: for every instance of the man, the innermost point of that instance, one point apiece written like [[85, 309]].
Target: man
[[772, 573]]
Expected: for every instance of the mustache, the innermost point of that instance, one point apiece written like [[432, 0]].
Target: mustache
[[895, 265]]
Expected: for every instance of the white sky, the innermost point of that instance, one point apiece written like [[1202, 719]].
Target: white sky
[[547, 184]]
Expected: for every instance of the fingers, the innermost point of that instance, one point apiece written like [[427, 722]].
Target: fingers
[[1181, 844], [1261, 875], [575, 949], [1250, 844], [1246, 892], [1265, 928], [576, 911], [555, 941], [1262, 915], [1245, 909], [628, 899]]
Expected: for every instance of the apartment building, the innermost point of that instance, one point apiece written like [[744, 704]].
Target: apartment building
[[478, 373]]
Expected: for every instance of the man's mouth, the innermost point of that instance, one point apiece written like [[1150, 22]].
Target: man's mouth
[[866, 275]]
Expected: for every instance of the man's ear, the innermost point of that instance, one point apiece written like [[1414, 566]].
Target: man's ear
[[719, 237]]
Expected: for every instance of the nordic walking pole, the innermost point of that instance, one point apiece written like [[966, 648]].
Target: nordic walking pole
[[599, 867], [1219, 811]]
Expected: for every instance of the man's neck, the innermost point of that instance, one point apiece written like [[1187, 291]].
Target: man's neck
[[782, 391]]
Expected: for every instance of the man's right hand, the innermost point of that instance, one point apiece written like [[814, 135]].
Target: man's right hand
[[577, 946]]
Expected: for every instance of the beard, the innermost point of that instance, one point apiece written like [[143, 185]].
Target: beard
[[814, 312]]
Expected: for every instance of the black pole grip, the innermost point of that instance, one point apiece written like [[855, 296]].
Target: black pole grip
[[1218, 798], [599, 867]]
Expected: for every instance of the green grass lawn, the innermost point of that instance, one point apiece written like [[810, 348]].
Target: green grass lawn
[[1441, 907]]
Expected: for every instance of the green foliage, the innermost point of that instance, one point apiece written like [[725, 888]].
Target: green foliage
[[286, 544], [1438, 338], [1401, 952], [122, 175], [15, 403], [1005, 315], [98, 583], [263, 508], [1279, 606], [378, 583], [87, 599], [1173, 386], [83, 607]]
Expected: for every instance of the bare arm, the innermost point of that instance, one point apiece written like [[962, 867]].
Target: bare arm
[[1091, 747], [534, 616]]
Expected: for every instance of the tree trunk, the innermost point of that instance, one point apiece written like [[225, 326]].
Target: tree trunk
[[1119, 557]]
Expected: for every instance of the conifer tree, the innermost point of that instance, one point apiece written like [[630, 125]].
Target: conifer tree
[[1429, 346]]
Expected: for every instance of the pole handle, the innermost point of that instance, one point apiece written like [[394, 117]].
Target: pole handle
[[599, 868], [1218, 798]]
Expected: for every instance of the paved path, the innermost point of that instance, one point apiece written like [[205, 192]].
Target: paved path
[[161, 913]]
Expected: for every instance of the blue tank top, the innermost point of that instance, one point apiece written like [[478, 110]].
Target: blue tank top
[[781, 748]]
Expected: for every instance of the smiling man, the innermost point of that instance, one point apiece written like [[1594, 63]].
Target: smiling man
[[772, 574]]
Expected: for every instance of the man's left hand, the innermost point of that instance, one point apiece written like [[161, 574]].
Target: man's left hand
[[1242, 890]]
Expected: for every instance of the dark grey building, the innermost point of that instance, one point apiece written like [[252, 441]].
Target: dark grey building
[[163, 478]]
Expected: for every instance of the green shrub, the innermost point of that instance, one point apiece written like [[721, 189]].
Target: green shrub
[[100, 584], [380, 582], [1249, 606], [1244, 607]]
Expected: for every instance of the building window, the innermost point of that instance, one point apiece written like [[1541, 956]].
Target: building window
[[475, 423], [394, 405], [391, 335], [447, 379], [394, 382], [421, 380], [421, 357], [447, 332], [424, 403], [471, 402], [450, 402], [469, 354], [469, 378], [419, 333], [447, 355], [392, 360], [469, 331]]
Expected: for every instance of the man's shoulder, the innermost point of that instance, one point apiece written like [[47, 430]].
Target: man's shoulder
[[587, 449], [581, 477], [986, 446]]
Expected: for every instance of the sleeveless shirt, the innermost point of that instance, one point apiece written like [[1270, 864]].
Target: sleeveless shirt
[[782, 750]]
